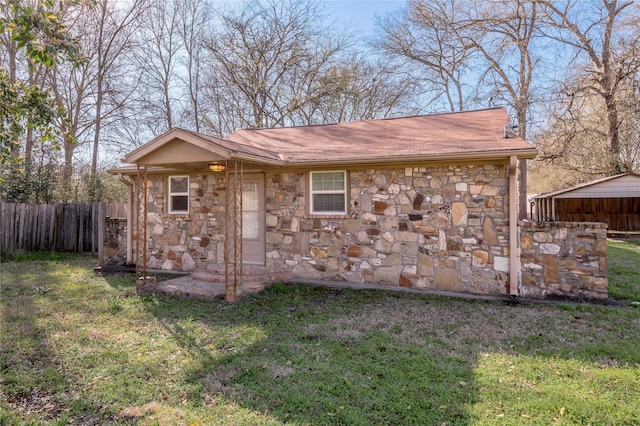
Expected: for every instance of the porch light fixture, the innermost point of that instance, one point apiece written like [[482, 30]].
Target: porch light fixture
[[216, 167]]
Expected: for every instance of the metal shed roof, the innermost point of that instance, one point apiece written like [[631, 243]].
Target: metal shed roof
[[625, 185]]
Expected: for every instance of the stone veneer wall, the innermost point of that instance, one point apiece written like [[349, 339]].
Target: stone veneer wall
[[437, 227], [115, 242], [564, 260], [186, 241]]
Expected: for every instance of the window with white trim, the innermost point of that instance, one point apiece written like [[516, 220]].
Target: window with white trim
[[178, 194], [328, 192]]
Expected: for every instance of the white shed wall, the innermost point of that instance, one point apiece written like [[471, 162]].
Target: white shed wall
[[623, 187]]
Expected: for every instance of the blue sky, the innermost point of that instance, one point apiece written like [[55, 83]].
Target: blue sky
[[359, 14]]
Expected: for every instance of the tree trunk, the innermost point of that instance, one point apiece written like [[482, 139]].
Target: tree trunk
[[614, 135], [67, 171], [93, 193]]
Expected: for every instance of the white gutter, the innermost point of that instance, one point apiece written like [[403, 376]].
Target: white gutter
[[129, 184], [514, 255], [257, 159], [401, 159]]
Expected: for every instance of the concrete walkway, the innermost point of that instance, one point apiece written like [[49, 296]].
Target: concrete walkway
[[189, 287]]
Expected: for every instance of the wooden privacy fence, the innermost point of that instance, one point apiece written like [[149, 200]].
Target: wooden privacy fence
[[621, 214], [77, 227]]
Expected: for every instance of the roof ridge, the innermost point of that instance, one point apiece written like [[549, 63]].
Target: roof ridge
[[369, 120]]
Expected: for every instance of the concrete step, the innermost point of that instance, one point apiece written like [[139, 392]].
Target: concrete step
[[254, 278]]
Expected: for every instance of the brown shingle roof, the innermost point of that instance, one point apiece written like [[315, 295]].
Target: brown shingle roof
[[449, 135], [251, 149]]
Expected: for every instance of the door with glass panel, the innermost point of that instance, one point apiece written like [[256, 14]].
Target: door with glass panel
[[253, 244]]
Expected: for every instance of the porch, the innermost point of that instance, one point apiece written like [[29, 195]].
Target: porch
[[210, 283]]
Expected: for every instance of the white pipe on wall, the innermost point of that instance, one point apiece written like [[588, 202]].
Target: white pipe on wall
[[514, 255]]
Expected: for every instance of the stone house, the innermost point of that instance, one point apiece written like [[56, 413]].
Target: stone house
[[422, 202]]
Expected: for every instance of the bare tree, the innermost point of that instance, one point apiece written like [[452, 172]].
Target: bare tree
[[504, 36], [355, 89], [92, 92], [265, 58], [576, 139], [506, 31], [115, 30], [602, 45], [193, 28], [629, 109], [157, 60], [447, 38], [423, 39]]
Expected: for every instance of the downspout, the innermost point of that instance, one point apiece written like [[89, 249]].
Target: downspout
[[129, 184], [514, 255]]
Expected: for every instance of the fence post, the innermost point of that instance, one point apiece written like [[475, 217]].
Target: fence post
[[102, 217]]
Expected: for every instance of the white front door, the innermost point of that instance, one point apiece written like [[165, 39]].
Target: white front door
[[253, 243]]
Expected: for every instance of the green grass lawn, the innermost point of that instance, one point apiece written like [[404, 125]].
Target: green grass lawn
[[79, 348], [623, 259]]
